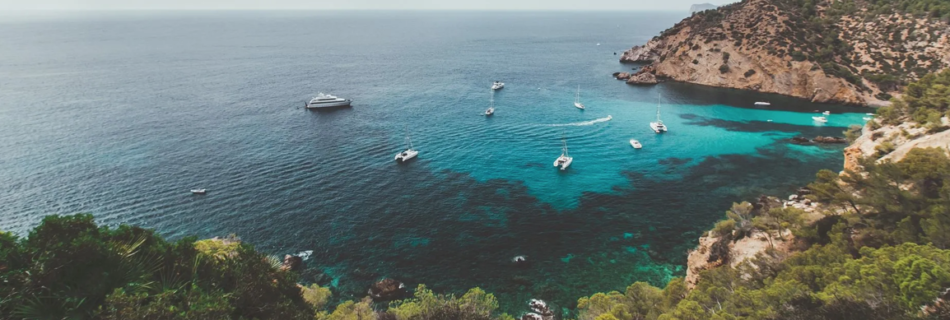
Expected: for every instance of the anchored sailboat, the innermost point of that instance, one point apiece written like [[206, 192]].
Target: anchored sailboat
[[565, 159], [491, 105], [409, 153], [577, 99], [658, 125]]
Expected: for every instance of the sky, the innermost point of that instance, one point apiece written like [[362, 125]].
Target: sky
[[532, 5]]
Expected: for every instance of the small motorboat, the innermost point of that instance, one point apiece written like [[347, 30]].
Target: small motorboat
[[490, 111], [761, 103], [199, 191], [827, 113], [867, 118], [497, 85], [820, 119], [869, 114], [769, 120], [635, 144]]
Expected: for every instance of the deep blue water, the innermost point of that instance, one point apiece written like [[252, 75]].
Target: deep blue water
[[120, 115]]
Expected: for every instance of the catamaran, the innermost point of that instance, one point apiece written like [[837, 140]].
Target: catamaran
[[565, 159], [577, 99], [491, 105], [497, 85], [409, 153], [658, 125]]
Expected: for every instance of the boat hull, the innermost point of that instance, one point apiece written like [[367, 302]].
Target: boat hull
[[579, 105], [406, 155], [563, 162], [635, 144], [338, 104], [657, 128]]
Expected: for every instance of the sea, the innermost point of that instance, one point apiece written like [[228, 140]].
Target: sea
[[120, 114]]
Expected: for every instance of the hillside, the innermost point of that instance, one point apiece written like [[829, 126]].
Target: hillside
[[871, 242], [852, 51]]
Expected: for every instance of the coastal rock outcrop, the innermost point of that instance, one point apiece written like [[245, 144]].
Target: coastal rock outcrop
[[892, 142], [387, 289], [622, 75], [642, 78], [768, 46], [292, 263]]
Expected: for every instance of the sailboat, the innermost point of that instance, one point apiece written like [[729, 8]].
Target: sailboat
[[658, 126], [577, 99], [491, 105], [409, 153], [565, 159]]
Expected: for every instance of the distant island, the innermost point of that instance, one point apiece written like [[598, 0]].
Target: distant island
[[701, 7], [859, 53]]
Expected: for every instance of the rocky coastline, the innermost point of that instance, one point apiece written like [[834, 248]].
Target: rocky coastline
[[762, 45]]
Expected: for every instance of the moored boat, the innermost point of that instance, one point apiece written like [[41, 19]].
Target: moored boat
[[327, 101], [635, 144]]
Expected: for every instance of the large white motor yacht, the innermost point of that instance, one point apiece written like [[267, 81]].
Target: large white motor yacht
[[327, 101]]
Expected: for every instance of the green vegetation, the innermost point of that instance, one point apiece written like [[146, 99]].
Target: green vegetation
[[70, 268], [924, 102], [880, 252]]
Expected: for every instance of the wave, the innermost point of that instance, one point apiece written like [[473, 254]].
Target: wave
[[583, 123]]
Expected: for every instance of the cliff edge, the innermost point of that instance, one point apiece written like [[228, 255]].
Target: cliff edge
[[850, 52]]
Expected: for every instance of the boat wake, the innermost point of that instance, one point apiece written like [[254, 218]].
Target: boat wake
[[584, 123]]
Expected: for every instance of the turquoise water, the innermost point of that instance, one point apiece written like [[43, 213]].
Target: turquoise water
[[120, 115]]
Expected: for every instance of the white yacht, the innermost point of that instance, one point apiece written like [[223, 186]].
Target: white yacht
[[827, 113], [198, 191], [409, 153], [491, 105], [635, 144], [577, 99], [658, 125], [564, 160], [760, 103], [867, 118], [327, 101], [497, 85], [820, 119]]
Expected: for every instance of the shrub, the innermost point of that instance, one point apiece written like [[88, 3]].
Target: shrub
[[723, 68], [749, 73]]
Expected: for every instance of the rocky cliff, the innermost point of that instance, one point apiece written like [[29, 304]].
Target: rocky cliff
[[834, 51]]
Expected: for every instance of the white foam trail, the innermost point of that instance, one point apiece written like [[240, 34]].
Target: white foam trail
[[584, 123]]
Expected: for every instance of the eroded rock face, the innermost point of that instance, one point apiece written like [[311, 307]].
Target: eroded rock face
[[750, 45], [387, 289], [642, 78]]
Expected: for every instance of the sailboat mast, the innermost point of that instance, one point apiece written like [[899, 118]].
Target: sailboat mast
[[577, 97], [658, 107], [491, 102], [565, 147]]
